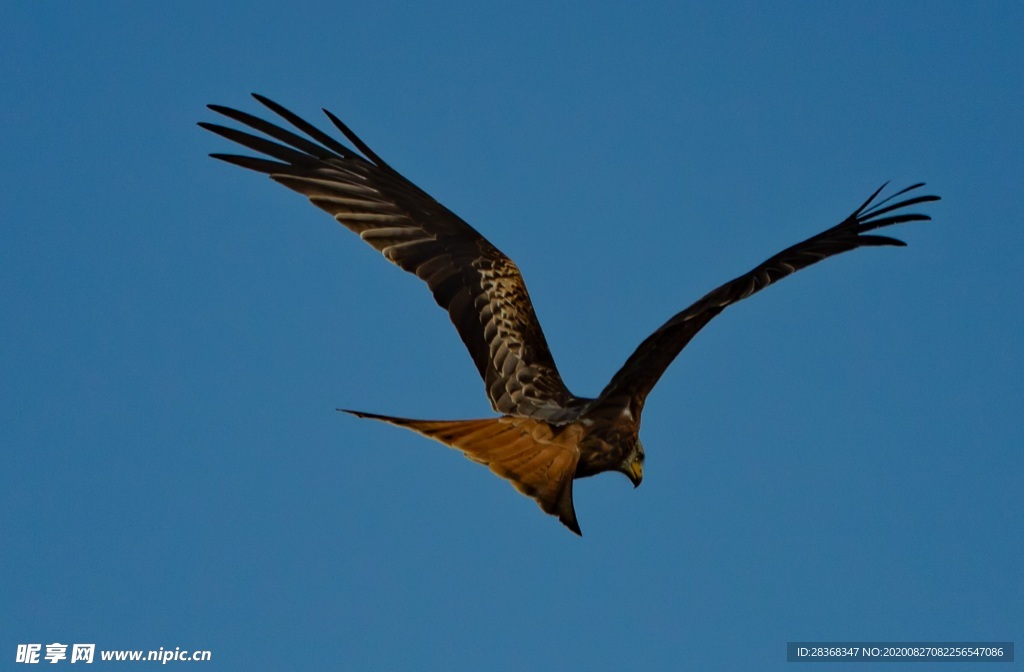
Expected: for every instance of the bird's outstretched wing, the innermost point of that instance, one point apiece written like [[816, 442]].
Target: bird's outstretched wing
[[630, 386], [480, 287]]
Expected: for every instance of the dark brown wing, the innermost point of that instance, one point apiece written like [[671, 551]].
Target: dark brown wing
[[538, 460], [631, 385], [480, 287]]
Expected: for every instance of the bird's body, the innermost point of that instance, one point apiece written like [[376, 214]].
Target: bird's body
[[545, 437]]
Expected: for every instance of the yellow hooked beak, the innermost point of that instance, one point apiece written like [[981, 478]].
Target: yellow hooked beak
[[636, 473]]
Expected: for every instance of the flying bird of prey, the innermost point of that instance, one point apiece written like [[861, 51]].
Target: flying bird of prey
[[545, 436]]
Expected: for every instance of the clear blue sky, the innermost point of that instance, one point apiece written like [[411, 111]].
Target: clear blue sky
[[838, 458]]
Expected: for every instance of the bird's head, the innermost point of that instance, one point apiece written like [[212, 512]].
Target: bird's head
[[633, 465]]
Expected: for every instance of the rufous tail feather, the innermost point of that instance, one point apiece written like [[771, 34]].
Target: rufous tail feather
[[538, 460]]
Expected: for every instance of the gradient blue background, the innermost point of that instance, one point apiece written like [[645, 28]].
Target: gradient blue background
[[839, 458]]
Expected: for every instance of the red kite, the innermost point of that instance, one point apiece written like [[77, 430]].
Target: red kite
[[545, 436]]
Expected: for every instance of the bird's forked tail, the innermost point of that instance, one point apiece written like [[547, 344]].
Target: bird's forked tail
[[538, 459]]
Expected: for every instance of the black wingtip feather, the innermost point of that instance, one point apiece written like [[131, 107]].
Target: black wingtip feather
[[252, 163], [865, 204], [355, 140], [304, 126], [869, 241], [879, 210], [872, 224], [870, 209]]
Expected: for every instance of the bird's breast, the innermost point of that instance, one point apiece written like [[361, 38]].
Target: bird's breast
[[603, 449]]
